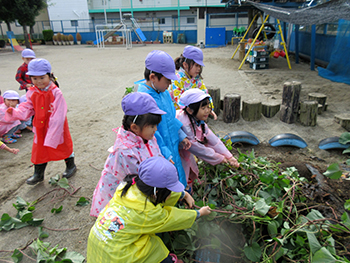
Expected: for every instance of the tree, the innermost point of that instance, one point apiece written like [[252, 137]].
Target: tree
[[7, 12], [26, 11]]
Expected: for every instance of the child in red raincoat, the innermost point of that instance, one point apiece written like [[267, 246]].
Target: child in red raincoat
[[52, 139]]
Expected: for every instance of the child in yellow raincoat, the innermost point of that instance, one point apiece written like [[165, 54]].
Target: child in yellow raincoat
[[142, 206]]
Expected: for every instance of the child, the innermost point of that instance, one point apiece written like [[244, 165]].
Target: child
[[52, 139], [9, 127], [28, 123], [1, 98], [205, 144], [23, 79], [159, 71], [135, 142], [189, 66], [142, 206], [5, 147]]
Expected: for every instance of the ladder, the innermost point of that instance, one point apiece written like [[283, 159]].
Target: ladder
[[280, 32]]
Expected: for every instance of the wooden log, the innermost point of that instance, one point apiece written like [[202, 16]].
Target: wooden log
[[308, 113], [231, 108], [319, 97], [290, 101], [343, 120], [215, 95], [270, 108], [251, 110]]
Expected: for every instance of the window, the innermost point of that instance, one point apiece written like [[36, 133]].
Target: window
[[74, 22], [161, 21], [190, 20]]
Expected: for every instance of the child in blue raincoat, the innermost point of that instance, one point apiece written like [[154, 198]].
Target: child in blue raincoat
[[159, 71]]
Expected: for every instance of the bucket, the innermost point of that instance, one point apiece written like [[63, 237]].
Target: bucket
[[282, 54], [276, 54]]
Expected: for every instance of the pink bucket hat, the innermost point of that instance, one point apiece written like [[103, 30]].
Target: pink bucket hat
[[161, 62], [194, 53], [192, 96], [139, 103], [38, 67], [159, 172], [28, 53], [11, 95]]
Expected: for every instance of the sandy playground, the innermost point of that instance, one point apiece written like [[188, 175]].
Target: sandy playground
[[93, 82]]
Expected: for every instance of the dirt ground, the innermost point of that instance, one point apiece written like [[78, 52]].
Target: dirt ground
[[93, 82]]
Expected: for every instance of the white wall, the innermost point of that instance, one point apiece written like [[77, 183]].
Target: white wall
[[68, 10]]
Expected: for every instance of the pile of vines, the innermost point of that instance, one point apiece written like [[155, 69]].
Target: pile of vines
[[260, 214]]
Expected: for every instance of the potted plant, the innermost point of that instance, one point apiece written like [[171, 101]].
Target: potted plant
[[78, 36], [71, 39], [59, 38], [48, 34], [54, 39]]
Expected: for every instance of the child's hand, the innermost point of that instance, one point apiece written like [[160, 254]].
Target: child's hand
[[204, 211], [29, 85], [9, 110], [233, 162], [189, 199], [14, 151], [214, 115], [186, 144]]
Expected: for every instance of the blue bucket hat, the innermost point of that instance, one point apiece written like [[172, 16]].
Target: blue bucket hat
[[38, 67], [28, 53], [194, 53], [192, 96], [161, 62], [159, 172], [11, 95], [139, 103]]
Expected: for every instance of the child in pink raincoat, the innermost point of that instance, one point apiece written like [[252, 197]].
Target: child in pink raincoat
[[135, 143], [9, 127], [205, 144]]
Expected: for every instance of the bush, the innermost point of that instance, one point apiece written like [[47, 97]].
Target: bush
[[48, 34], [78, 36]]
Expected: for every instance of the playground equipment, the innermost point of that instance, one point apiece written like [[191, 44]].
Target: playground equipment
[[260, 30], [13, 41], [105, 31]]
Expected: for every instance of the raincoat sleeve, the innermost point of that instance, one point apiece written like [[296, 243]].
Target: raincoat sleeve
[[56, 121], [163, 148], [127, 162], [182, 135], [24, 110], [216, 144]]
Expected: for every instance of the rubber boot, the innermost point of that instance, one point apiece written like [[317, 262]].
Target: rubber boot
[[38, 176], [70, 169]]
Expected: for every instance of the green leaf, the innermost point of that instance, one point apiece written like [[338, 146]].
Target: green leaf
[[17, 256], [43, 234], [331, 245], [25, 215], [82, 202], [333, 171], [344, 138], [346, 150], [261, 207], [253, 252], [348, 162], [313, 242], [63, 183], [323, 256], [54, 180], [272, 228], [347, 204], [345, 219], [56, 210]]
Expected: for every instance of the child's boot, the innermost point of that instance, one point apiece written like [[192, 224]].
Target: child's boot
[[38, 176], [70, 169]]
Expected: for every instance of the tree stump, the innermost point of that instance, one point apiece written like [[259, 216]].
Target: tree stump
[[215, 95], [290, 101], [251, 110], [231, 108], [320, 98], [343, 120], [270, 108], [308, 113]]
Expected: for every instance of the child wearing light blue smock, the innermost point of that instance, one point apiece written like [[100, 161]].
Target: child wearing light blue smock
[[159, 71]]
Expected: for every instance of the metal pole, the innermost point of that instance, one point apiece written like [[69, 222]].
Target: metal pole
[[132, 11], [178, 14], [313, 45], [105, 13]]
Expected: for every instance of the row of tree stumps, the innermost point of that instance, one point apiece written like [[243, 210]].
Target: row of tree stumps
[[290, 110]]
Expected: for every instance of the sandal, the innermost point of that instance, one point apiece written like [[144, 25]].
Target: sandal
[[8, 139], [16, 136]]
